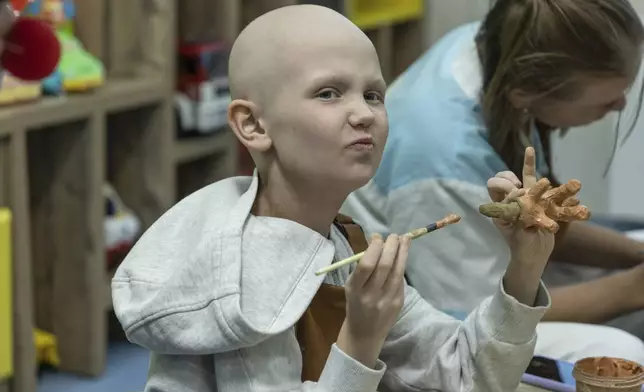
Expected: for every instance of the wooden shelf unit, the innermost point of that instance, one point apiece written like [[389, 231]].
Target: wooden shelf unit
[[55, 155]]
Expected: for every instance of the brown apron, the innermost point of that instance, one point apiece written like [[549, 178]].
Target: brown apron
[[320, 324]]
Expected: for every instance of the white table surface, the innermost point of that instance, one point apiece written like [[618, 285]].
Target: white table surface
[[530, 388]]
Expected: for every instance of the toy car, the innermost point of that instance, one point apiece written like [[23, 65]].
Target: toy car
[[203, 94], [121, 227]]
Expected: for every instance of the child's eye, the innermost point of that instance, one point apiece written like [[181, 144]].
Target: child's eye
[[328, 95], [373, 97]]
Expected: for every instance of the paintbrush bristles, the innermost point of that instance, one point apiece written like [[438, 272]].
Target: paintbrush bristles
[[448, 220]]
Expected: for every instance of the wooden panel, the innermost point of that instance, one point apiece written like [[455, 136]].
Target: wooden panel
[[141, 37], [158, 41], [116, 94], [204, 160], [90, 26], [124, 46], [24, 379], [140, 159], [193, 175], [97, 257], [193, 148], [383, 40], [407, 46], [207, 20], [228, 20], [251, 9], [69, 267], [195, 20]]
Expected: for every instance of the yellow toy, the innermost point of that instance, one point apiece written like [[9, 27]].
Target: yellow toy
[[6, 297], [14, 90], [46, 348], [368, 14]]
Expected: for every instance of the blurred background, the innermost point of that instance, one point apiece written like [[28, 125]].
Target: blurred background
[[133, 120]]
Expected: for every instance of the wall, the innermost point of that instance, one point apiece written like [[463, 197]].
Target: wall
[[443, 15]]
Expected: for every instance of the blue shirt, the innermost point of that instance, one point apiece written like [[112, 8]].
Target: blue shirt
[[437, 161]]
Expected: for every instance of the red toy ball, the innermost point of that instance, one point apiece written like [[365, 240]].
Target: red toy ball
[[32, 50]]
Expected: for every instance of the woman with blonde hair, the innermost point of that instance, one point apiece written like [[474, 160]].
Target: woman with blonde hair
[[465, 111]]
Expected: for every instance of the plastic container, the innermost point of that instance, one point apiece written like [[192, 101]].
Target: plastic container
[[606, 374]]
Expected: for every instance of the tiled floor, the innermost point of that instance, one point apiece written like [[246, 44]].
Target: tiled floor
[[126, 372]]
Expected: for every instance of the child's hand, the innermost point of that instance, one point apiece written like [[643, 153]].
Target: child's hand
[[375, 296], [528, 245]]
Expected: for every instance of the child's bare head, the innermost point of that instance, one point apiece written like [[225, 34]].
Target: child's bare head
[[308, 96]]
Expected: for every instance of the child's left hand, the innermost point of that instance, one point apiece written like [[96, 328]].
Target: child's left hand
[[529, 246]]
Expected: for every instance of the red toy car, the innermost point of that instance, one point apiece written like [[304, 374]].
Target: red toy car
[[203, 93]]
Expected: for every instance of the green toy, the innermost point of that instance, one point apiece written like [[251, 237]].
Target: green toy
[[78, 70]]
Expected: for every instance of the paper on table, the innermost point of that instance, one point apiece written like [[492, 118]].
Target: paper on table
[[637, 235], [530, 388]]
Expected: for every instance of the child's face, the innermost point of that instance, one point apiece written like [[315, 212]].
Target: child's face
[[599, 97], [327, 118]]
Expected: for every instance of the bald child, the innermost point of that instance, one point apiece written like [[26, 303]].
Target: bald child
[[218, 286]]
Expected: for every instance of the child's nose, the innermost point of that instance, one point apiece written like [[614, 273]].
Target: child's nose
[[361, 115], [619, 104]]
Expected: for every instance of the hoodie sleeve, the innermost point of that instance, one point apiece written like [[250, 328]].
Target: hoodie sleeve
[[488, 351], [454, 269], [254, 369], [181, 373]]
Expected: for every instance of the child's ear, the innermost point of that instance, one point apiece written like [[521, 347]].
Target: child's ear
[[242, 118]]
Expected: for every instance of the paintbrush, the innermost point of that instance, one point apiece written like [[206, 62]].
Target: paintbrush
[[448, 220]]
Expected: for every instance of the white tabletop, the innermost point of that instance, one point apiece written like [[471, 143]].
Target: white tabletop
[[530, 388]]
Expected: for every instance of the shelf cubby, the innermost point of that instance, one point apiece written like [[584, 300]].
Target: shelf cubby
[[65, 204], [14, 195], [203, 160], [139, 160]]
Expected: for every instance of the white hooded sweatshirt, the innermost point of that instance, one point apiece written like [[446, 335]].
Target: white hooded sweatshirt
[[214, 292]]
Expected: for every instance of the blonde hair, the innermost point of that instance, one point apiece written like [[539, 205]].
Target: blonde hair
[[545, 48]]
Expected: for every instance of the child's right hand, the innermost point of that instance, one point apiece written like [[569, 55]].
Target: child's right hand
[[375, 295]]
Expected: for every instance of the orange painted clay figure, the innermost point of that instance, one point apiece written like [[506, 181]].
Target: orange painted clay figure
[[537, 203]]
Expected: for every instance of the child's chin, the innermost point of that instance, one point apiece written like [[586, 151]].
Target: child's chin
[[359, 177]]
